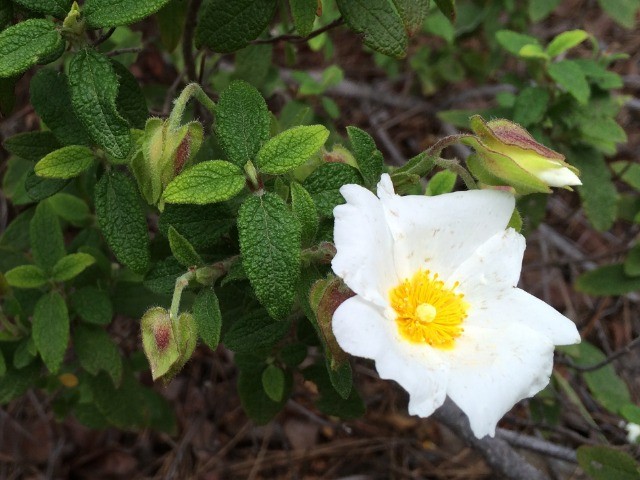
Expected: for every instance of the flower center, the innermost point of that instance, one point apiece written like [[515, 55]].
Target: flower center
[[427, 311]]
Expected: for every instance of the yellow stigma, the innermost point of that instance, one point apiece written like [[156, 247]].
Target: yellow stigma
[[427, 311]]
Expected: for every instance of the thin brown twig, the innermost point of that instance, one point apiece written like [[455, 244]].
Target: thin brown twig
[[187, 39], [104, 37], [121, 51], [611, 358], [297, 38]]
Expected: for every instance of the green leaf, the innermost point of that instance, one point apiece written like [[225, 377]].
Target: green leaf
[[40, 188], [206, 313], [531, 106], [603, 133], [330, 401], [413, 14], [291, 148], [202, 225], [70, 208], [171, 23], [255, 401], [569, 75], [381, 26], [632, 262], [253, 332], [6, 13], [71, 266], [124, 407], [304, 15], [325, 182], [31, 145], [26, 276], [92, 305], [368, 157], [305, 211], [207, 182], [540, 9], [56, 8], [441, 182], [66, 162], [273, 382], [242, 122], [130, 100], [122, 220], [228, 26], [55, 110], [253, 63], [93, 84], [16, 382], [26, 43], [97, 352], [606, 463], [182, 250], [50, 329], [270, 247], [16, 235], [533, 51], [112, 13], [622, 11], [448, 8], [629, 173], [47, 244], [162, 276], [566, 41], [24, 353], [598, 193], [607, 280], [513, 41]]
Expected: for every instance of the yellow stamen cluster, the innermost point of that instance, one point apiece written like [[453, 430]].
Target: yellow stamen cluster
[[427, 311]]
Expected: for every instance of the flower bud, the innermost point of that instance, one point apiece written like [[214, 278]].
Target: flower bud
[[506, 154], [163, 155]]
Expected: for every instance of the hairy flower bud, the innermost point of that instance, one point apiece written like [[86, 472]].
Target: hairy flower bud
[[506, 154]]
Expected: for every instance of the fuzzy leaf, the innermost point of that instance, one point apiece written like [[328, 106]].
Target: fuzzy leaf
[[569, 75], [273, 382], [66, 162], [39, 188], [304, 15], [26, 276], [71, 266], [270, 248], [202, 225], [97, 352], [47, 244], [26, 43], [206, 313], [325, 182], [93, 84], [182, 250], [606, 463], [242, 122], [228, 26], [130, 100], [112, 13], [207, 182], [122, 220], [530, 106], [381, 26], [412, 13], [50, 329], [92, 305], [254, 332], [448, 8], [305, 211], [70, 208], [441, 182], [607, 280], [291, 148], [368, 157], [31, 145], [56, 8]]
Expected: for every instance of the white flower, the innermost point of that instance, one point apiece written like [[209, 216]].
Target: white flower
[[633, 432], [436, 302]]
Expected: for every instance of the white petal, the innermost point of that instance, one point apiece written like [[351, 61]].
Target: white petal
[[439, 233], [558, 177], [420, 370], [364, 257], [494, 267], [517, 306], [385, 187], [493, 369], [360, 328]]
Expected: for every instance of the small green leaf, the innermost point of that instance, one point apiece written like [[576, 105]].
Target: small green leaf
[[253, 63], [207, 182], [305, 211], [255, 401], [56, 8], [92, 305], [93, 84], [66, 162], [71, 266], [202, 225], [304, 15], [569, 75], [130, 100], [26, 276], [530, 106], [26, 43], [97, 352], [448, 8], [566, 41], [632, 262], [122, 220], [54, 109], [112, 13], [171, 23], [381, 26], [540, 9], [270, 246], [228, 26], [242, 122], [606, 463], [413, 14], [31, 145], [291, 148], [182, 250], [70, 208], [441, 182], [622, 11], [50, 329], [40, 188], [368, 157], [206, 313], [47, 244], [253, 332], [629, 173], [330, 401], [513, 41], [273, 382], [325, 182], [607, 280], [533, 51], [161, 277]]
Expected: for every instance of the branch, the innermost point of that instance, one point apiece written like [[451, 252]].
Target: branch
[[298, 38], [496, 452], [187, 39], [614, 356], [537, 445], [104, 37]]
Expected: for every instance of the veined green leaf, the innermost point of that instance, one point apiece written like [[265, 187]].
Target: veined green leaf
[[325, 182], [94, 88], [70, 208], [304, 15], [26, 43], [305, 211], [291, 148], [47, 244], [92, 305], [182, 250], [368, 157], [56, 8], [570, 76], [607, 280], [66, 162], [273, 382], [97, 352], [31, 145], [413, 13], [130, 100], [253, 332], [448, 7], [71, 266], [206, 313], [207, 182], [112, 13], [270, 247], [50, 329], [26, 276], [566, 41]]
